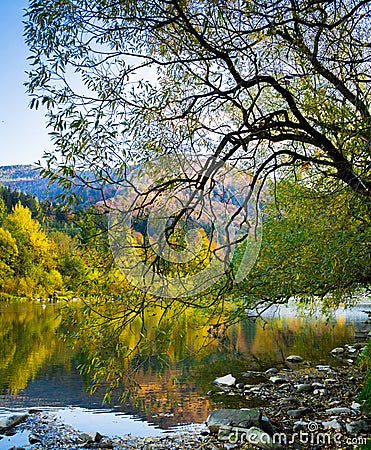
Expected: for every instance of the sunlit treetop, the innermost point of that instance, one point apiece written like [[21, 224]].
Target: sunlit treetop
[[267, 84]]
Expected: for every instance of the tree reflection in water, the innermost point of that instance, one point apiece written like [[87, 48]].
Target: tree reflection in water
[[166, 379]]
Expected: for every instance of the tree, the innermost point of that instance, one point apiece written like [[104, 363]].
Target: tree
[[35, 248], [229, 78], [314, 247], [275, 88], [8, 256]]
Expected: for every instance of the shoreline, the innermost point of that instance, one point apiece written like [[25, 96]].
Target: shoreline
[[321, 399]]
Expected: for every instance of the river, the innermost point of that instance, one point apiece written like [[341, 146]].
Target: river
[[38, 369]]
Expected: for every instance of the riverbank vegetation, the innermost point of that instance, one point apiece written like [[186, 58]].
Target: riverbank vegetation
[[276, 90]]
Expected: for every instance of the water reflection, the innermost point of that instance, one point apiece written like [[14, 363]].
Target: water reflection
[[37, 368]]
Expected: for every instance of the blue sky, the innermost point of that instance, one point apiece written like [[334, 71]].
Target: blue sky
[[23, 135]]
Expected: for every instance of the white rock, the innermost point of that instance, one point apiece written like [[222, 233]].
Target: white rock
[[277, 380], [227, 380], [11, 421], [320, 392], [323, 368], [330, 380], [337, 350], [339, 410], [295, 359], [355, 405], [332, 424]]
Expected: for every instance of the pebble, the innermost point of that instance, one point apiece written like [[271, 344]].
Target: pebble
[[338, 350], [271, 371], [332, 424], [295, 359], [340, 410], [277, 380], [305, 387], [323, 368], [300, 425], [297, 413], [227, 380], [357, 426]]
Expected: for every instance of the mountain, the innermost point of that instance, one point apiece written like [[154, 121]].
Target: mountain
[[27, 178]]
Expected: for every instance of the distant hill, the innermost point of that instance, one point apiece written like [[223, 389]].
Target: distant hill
[[27, 178]]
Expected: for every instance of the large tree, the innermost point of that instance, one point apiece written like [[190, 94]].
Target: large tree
[[273, 87]]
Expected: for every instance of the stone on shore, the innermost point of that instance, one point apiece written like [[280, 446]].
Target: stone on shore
[[6, 423], [295, 359], [227, 380], [259, 438], [357, 426], [338, 350], [304, 387], [339, 410], [277, 380], [331, 425], [244, 418]]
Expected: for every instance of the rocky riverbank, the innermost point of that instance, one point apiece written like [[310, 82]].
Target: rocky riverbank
[[307, 407]]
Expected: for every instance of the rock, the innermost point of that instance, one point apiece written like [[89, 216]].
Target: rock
[[255, 377], [271, 371], [330, 381], [252, 374], [300, 425], [32, 439], [91, 437], [338, 350], [357, 426], [355, 406], [305, 387], [295, 359], [227, 380], [244, 418], [289, 401], [332, 424], [320, 392], [102, 445], [298, 413], [323, 368], [277, 380], [6, 423], [337, 411], [266, 425], [318, 385], [240, 435], [255, 389], [240, 385], [229, 434], [259, 438]]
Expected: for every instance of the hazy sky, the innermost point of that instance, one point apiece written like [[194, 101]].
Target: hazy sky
[[23, 135]]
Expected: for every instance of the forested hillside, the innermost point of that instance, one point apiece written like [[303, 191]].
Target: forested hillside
[[28, 179]]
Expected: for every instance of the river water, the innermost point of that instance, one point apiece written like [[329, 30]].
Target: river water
[[39, 370]]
